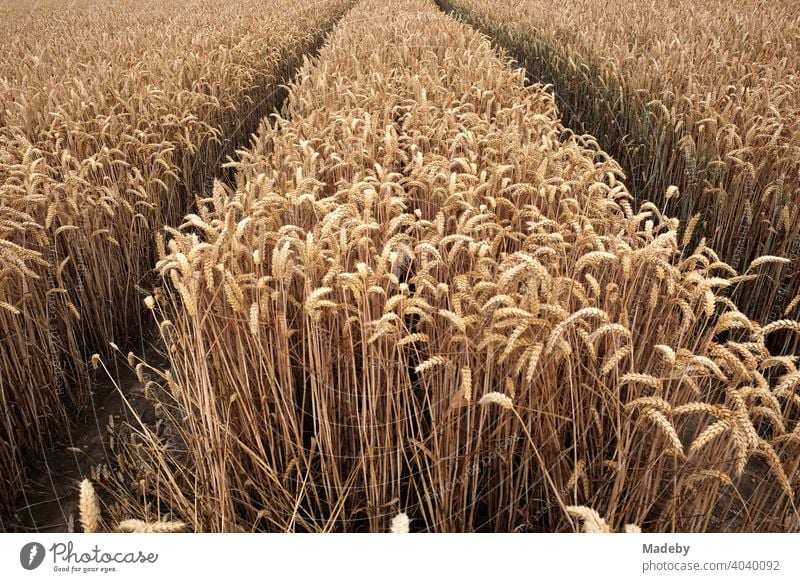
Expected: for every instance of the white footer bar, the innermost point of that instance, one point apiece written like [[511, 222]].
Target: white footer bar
[[406, 557]]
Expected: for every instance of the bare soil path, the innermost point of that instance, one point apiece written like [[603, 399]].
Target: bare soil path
[[50, 502]]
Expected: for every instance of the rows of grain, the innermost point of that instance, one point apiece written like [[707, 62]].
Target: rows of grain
[[424, 295], [704, 96], [113, 117]]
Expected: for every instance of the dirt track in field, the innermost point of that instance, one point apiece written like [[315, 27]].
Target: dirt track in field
[[50, 502]]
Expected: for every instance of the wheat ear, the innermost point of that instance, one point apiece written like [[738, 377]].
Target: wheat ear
[[89, 508]]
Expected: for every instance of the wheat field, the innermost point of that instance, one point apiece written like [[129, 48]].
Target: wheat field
[[111, 121], [436, 291], [698, 95]]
